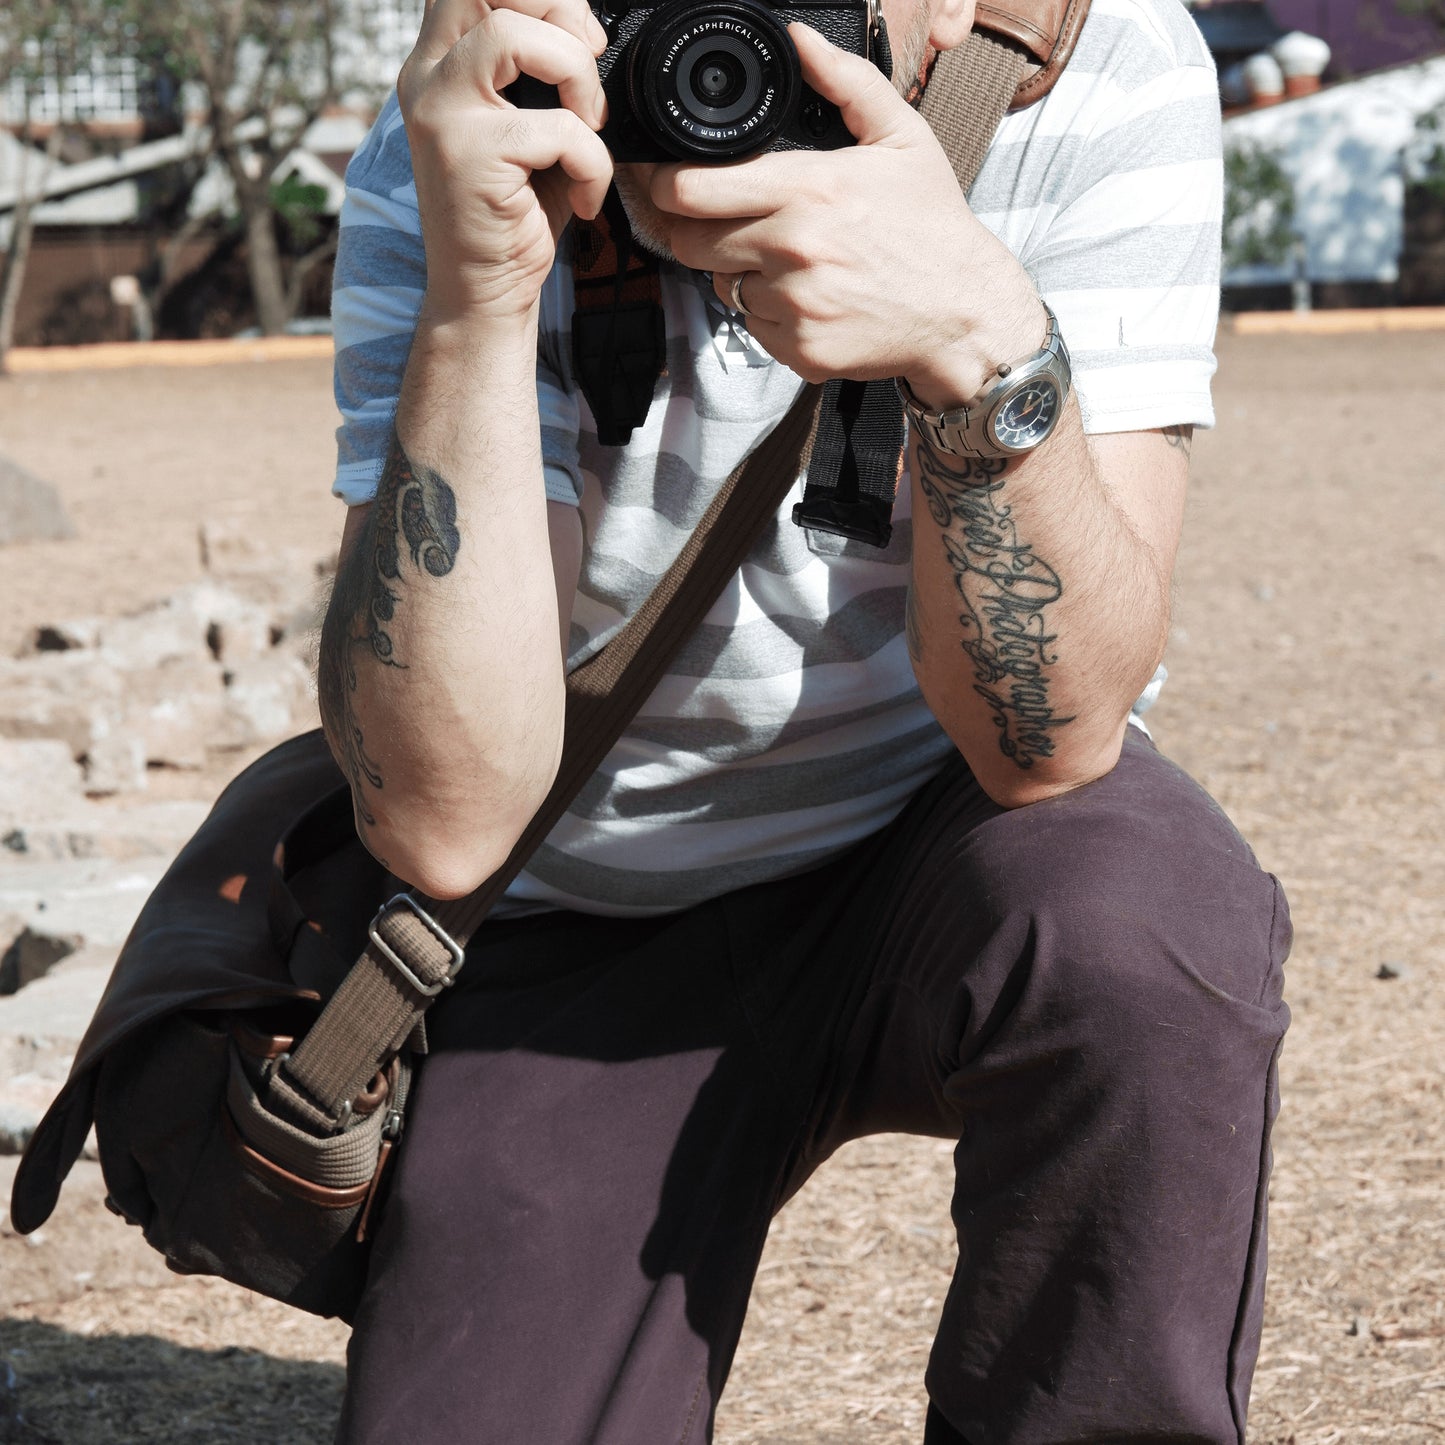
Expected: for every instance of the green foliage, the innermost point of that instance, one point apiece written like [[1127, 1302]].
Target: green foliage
[[1259, 207], [1425, 155], [301, 207]]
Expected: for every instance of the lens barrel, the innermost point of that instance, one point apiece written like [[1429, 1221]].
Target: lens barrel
[[713, 81]]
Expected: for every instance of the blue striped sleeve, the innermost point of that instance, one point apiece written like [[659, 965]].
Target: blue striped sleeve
[[380, 279]]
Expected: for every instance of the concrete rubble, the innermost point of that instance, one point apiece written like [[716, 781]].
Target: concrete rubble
[[92, 710], [30, 509]]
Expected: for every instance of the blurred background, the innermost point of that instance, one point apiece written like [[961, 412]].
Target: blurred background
[[175, 171]]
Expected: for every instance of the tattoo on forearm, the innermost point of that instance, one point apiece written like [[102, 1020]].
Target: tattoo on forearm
[[1181, 438], [1006, 589], [413, 517]]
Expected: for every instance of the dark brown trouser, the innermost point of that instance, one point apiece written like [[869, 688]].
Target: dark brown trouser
[[1085, 993]]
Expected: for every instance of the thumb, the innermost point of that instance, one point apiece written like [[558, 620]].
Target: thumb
[[873, 111]]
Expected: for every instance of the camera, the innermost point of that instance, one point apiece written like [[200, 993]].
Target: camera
[[718, 80]]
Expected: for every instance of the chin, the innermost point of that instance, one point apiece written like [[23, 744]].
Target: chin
[[650, 228]]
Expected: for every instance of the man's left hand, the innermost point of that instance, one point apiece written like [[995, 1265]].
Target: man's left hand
[[862, 262]]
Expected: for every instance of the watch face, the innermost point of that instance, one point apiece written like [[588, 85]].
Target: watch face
[[1028, 416]]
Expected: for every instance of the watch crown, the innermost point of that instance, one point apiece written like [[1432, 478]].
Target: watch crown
[[1004, 369]]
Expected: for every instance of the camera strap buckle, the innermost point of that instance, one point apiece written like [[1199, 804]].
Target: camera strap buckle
[[856, 463]]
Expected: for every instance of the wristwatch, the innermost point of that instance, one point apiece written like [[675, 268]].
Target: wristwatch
[[1013, 414]]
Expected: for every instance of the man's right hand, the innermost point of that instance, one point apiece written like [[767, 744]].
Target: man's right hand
[[496, 185]]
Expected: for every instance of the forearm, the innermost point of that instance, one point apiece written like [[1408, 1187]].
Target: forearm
[[1036, 614], [441, 679]]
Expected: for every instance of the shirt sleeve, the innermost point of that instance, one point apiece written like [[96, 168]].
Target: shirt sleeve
[[380, 279], [1116, 196]]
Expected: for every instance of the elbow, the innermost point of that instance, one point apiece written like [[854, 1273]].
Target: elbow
[[448, 841], [444, 852], [1011, 786]]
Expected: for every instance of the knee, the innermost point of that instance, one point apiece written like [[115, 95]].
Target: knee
[[1129, 897]]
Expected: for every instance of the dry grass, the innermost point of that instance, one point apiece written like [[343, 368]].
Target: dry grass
[[1307, 694]]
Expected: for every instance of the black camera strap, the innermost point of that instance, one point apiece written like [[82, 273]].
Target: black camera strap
[[619, 342], [857, 456]]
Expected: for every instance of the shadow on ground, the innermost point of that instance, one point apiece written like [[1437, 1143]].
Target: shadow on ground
[[59, 1388]]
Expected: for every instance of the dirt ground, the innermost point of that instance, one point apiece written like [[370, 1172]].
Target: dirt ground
[[1308, 662]]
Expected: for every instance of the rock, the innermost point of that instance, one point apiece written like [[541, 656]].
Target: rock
[[267, 699], [173, 629], [32, 955], [73, 696], [116, 763], [38, 778], [242, 636], [30, 510], [176, 711], [140, 830], [17, 1124], [96, 897], [78, 632], [230, 548], [41, 1027]]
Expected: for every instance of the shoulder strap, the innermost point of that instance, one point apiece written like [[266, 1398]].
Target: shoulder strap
[[1047, 30], [416, 943]]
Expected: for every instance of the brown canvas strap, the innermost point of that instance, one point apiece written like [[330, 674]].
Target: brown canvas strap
[[967, 94], [416, 943]]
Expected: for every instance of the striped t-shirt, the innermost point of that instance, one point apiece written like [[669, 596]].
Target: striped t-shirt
[[790, 724]]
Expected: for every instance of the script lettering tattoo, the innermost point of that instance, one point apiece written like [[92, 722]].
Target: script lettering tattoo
[[1181, 438], [413, 517], [1006, 589]]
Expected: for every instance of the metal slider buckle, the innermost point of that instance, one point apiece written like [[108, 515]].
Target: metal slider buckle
[[429, 990]]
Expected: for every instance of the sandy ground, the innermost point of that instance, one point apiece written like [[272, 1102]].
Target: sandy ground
[[1307, 691]]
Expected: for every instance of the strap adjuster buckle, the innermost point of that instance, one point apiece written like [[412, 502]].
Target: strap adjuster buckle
[[405, 900]]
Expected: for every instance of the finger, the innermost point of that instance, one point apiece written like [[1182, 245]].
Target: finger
[[753, 297], [873, 111], [539, 140], [746, 190], [509, 44], [448, 20], [723, 246]]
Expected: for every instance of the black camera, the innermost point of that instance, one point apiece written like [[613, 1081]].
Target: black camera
[[717, 80]]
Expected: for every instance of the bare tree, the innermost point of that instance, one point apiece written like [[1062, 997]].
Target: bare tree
[[266, 71], [33, 48]]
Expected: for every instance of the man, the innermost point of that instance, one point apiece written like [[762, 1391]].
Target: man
[[883, 851]]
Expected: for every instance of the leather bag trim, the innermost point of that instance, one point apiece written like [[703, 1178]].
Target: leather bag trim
[[283, 1179]]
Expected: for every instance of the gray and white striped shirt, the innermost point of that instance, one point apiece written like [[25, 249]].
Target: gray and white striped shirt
[[791, 725]]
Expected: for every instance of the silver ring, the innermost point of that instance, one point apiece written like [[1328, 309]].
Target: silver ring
[[735, 295]]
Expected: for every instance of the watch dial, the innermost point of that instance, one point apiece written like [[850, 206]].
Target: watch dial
[[1028, 416]]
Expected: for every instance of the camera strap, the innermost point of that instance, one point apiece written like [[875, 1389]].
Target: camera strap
[[856, 461], [857, 458], [619, 345]]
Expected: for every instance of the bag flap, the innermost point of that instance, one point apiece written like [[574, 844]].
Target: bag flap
[[204, 939]]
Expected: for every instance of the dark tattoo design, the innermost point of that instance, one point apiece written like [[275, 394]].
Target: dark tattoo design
[[1006, 588], [414, 516], [1181, 438]]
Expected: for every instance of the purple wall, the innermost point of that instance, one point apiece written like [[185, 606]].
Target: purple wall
[[1363, 34]]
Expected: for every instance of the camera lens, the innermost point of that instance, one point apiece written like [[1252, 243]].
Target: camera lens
[[719, 79], [713, 81], [721, 85]]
